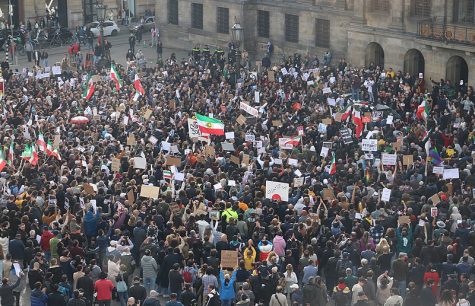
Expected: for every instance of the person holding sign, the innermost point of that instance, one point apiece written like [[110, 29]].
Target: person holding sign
[[227, 287]]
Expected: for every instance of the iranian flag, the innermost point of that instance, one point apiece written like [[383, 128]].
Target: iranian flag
[[347, 112], [26, 154], [167, 175], [210, 125], [3, 162], [138, 85], [294, 141], [114, 75], [49, 148], [34, 156], [358, 122], [423, 110], [89, 89], [10, 154], [41, 142], [332, 169], [56, 154]]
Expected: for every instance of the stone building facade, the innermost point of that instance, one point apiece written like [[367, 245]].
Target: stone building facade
[[72, 13], [433, 37]]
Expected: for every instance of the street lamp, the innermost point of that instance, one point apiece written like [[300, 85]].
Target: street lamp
[[237, 33], [101, 10]]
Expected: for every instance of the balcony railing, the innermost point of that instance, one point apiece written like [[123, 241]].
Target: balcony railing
[[448, 33]]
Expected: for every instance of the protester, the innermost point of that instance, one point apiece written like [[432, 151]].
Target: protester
[[298, 164]]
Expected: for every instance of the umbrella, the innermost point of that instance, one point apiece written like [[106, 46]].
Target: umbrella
[[79, 120]]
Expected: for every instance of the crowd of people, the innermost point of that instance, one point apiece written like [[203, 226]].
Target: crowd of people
[[328, 183]]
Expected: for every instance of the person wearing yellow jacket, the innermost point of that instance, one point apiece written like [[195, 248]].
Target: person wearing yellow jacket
[[229, 213], [249, 256]]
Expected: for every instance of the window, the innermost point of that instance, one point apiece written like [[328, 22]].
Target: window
[[222, 20], [173, 12], [422, 8], [292, 28], [323, 33], [263, 24], [380, 6], [197, 16], [463, 10]]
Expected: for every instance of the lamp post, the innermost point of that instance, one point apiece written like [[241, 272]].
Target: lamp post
[[101, 10], [237, 34]]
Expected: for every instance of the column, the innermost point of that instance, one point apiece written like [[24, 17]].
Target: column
[[341, 4], [397, 14], [359, 9]]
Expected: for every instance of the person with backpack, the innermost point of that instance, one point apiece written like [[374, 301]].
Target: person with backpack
[[65, 288], [149, 270], [189, 272], [341, 293], [175, 279]]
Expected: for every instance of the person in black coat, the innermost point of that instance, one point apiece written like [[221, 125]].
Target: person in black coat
[[175, 279], [86, 283], [55, 298], [170, 259], [6, 291], [187, 296], [137, 291], [17, 249]]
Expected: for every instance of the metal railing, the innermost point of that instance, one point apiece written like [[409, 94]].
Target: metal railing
[[448, 33]]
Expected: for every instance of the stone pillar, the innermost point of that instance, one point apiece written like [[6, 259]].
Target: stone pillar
[[341, 4], [359, 8], [397, 14], [29, 10]]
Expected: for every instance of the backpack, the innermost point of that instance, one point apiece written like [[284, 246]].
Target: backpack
[[187, 276], [340, 297], [197, 283]]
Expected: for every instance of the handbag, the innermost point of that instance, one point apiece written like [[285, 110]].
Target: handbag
[[121, 285]]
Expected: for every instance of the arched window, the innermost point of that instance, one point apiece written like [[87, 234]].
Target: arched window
[[422, 8]]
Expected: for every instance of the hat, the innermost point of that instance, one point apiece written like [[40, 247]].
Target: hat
[[153, 294], [440, 224], [294, 286], [113, 243], [443, 197]]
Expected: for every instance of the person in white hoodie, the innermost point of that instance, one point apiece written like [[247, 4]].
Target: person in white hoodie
[[4, 242]]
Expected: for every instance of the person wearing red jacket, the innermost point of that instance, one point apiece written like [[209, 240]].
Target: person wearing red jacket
[[44, 242], [103, 288]]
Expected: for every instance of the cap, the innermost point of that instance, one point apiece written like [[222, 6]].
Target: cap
[[440, 224], [294, 286]]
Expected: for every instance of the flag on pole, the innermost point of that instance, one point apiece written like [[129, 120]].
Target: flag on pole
[[423, 110], [347, 112], [26, 154], [56, 154], [41, 142], [332, 169], [88, 89], [435, 156], [210, 125], [138, 85], [49, 148], [3, 162], [34, 156], [114, 75], [10, 154], [358, 122]]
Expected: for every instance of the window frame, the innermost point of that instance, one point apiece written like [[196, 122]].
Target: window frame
[[322, 33], [222, 20], [263, 23], [291, 28], [197, 16], [172, 12]]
